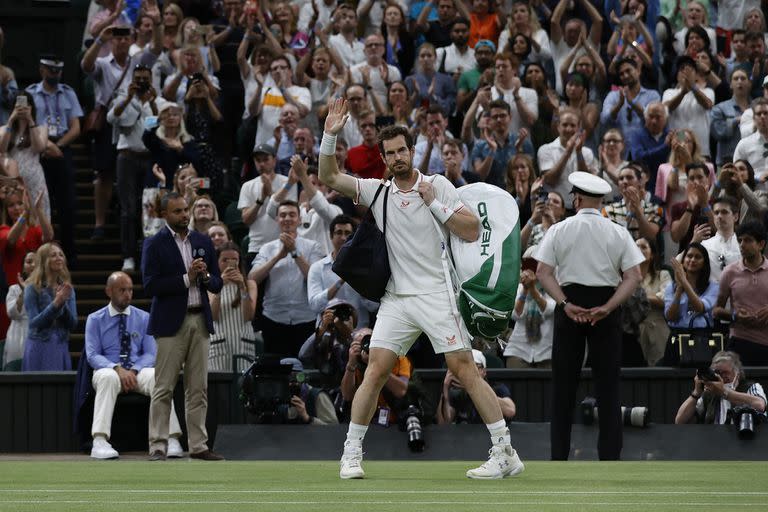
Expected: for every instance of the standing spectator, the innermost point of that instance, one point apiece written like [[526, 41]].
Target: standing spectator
[[428, 86], [459, 56], [232, 310], [437, 31], [315, 15], [303, 144], [398, 109], [624, 108], [523, 101], [219, 234], [469, 80], [8, 85], [565, 155], [113, 13], [485, 23], [654, 331], [584, 59], [612, 161], [747, 121], [255, 193], [523, 21], [548, 103], [651, 144], [690, 102], [745, 284], [696, 34], [756, 45], [273, 98], [108, 74], [375, 73], [546, 213], [57, 107], [642, 219], [577, 97], [564, 38], [739, 182], [49, 299], [499, 143], [739, 55], [427, 152], [345, 42], [752, 148], [203, 213], [202, 118], [14, 304], [723, 246], [282, 140], [287, 320], [172, 18], [322, 79], [694, 210], [191, 34], [129, 114], [191, 69], [453, 156], [524, 184], [25, 141], [365, 160], [171, 145], [357, 98]]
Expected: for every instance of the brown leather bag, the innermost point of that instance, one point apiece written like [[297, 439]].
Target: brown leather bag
[[97, 118]]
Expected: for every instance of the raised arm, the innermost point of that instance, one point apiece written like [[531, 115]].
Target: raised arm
[[328, 169], [596, 31], [555, 30]]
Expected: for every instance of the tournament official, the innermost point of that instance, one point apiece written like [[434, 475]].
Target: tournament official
[[179, 267], [589, 265]]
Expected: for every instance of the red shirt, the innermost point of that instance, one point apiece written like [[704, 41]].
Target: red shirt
[[366, 162], [13, 256]]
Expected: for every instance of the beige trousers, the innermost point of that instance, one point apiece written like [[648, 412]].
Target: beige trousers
[[188, 349]]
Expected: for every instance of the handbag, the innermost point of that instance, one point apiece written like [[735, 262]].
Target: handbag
[[693, 347], [363, 261], [97, 117]]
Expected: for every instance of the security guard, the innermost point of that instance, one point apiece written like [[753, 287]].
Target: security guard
[[58, 108], [589, 266]]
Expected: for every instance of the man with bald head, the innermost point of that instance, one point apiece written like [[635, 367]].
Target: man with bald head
[[122, 356], [651, 144]]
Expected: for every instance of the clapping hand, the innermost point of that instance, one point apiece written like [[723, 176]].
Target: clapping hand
[[62, 293], [196, 268], [288, 242]]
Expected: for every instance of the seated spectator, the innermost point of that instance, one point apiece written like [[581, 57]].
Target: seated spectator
[[365, 160], [485, 23], [653, 330], [122, 356], [453, 158], [203, 213], [546, 212], [436, 29], [651, 144], [745, 284], [358, 102], [49, 299], [752, 148], [548, 103], [312, 406], [695, 209], [322, 78], [565, 155], [524, 184], [739, 55], [316, 213], [641, 218], [612, 161], [427, 85], [469, 80], [722, 246], [756, 43], [530, 343], [389, 405], [351, 50], [690, 102], [711, 401], [747, 119], [287, 320], [498, 145], [232, 310], [398, 109], [624, 108], [17, 331], [219, 234], [326, 349], [303, 145], [455, 405], [690, 297]]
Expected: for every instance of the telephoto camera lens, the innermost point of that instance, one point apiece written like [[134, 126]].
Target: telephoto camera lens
[[635, 416], [745, 417], [413, 429]]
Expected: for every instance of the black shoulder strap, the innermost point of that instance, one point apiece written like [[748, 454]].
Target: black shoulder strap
[[370, 208]]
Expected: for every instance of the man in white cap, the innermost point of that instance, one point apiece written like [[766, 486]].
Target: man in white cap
[[589, 266]]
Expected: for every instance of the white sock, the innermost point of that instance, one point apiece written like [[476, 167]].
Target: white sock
[[356, 433], [499, 433]]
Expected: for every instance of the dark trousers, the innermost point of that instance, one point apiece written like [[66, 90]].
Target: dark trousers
[[285, 340], [604, 340], [131, 170], [751, 353], [60, 180]]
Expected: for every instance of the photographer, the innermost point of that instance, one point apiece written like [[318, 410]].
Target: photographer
[[309, 405], [716, 391], [455, 405], [395, 388], [131, 114], [325, 349]]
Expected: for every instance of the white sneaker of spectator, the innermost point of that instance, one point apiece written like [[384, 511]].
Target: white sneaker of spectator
[[175, 451], [351, 462], [102, 449], [128, 265], [502, 461]]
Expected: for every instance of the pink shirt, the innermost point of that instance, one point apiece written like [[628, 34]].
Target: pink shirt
[[747, 289]]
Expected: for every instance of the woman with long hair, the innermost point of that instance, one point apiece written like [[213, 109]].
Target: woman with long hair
[[203, 213], [14, 304], [695, 19], [23, 141], [535, 77], [191, 33], [576, 87], [232, 310], [172, 18], [612, 158], [188, 71], [524, 21], [523, 183], [428, 84], [49, 299], [654, 330], [399, 47]]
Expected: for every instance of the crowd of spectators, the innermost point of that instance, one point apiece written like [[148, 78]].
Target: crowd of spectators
[[223, 101]]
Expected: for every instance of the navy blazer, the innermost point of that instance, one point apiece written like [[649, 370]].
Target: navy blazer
[[162, 269]]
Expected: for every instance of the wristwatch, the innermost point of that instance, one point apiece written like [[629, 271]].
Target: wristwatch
[[564, 302]]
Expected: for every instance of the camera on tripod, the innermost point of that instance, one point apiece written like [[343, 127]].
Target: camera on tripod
[[630, 416], [745, 418], [266, 388]]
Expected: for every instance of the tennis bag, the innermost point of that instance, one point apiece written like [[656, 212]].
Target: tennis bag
[[488, 270]]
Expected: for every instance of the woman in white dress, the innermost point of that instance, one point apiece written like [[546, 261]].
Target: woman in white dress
[[17, 331], [232, 309]]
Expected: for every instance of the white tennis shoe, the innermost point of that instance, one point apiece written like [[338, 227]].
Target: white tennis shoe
[[175, 451], [102, 450], [351, 462], [502, 462]]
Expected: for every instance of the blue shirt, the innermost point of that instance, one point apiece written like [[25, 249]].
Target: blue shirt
[[46, 321], [709, 298], [55, 109], [498, 173], [724, 126], [102, 338], [627, 120], [320, 278], [652, 152]]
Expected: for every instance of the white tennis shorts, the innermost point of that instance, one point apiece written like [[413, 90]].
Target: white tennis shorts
[[402, 318]]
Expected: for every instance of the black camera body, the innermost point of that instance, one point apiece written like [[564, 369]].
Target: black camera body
[[707, 374], [745, 417], [266, 388]]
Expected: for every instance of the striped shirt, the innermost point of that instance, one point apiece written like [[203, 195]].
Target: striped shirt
[[721, 415], [185, 248], [620, 214]]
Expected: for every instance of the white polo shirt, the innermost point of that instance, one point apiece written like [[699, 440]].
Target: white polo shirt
[[454, 59], [412, 239], [263, 229], [752, 149], [589, 249], [549, 154]]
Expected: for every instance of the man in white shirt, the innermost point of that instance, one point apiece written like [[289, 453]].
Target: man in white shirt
[[287, 320], [458, 57], [418, 298], [563, 40], [318, 11], [273, 99], [255, 193], [723, 247], [689, 103], [357, 98], [754, 149], [523, 101], [565, 155], [349, 48], [375, 74]]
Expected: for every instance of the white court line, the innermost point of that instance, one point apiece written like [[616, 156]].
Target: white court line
[[378, 491], [499, 503]]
